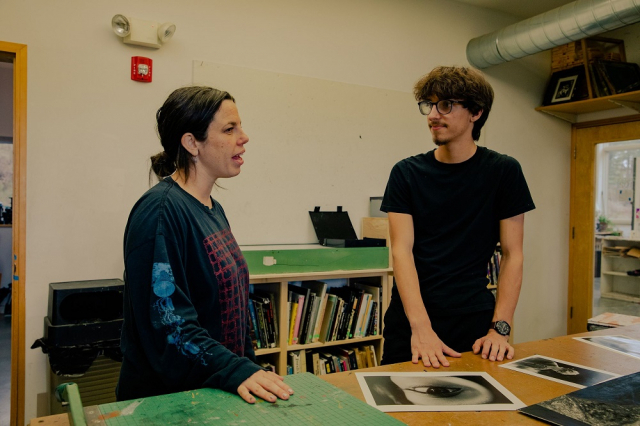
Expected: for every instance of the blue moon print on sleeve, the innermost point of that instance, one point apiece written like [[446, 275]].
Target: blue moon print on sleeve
[[164, 286], [162, 280]]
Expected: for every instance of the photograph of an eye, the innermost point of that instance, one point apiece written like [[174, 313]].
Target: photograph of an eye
[[452, 391]]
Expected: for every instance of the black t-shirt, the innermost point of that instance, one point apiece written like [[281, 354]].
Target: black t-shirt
[[456, 210]]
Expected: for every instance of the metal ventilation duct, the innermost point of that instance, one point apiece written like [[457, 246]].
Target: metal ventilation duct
[[573, 21]]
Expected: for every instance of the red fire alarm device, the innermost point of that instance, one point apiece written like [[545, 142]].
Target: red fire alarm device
[[141, 68]]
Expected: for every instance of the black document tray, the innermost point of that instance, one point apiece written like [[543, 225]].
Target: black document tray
[[334, 229]]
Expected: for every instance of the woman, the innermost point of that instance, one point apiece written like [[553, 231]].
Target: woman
[[187, 283]]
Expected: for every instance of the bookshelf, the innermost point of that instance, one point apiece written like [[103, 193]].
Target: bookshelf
[[278, 284], [615, 283]]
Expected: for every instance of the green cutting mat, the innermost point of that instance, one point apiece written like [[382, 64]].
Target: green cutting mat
[[315, 402]]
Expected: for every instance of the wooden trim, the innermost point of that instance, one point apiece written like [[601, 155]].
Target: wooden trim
[[19, 230], [572, 214], [607, 121]]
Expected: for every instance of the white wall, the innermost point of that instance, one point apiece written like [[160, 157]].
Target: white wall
[[91, 129]]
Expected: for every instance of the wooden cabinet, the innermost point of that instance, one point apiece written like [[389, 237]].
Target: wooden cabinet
[[615, 282], [278, 284]]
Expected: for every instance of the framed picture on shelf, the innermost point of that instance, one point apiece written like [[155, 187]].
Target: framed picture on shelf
[[564, 89], [566, 86]]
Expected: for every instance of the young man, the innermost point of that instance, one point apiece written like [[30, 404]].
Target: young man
[[448, 209]]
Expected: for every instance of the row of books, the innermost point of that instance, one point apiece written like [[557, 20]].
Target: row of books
[[333, 360], [318, 313], [264, 320], [493, 267], [612, 77]]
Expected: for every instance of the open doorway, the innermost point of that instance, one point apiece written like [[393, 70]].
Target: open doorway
[[616, 283], [584, 142], [6, 195], [17, 55]]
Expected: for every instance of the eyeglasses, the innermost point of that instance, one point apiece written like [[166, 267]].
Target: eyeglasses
[[444, 106]]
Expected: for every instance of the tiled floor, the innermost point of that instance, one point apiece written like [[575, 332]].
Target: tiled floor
[[602, 305], [5, 369]]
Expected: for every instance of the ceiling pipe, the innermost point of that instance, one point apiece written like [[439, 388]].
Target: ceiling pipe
[[573, 21]]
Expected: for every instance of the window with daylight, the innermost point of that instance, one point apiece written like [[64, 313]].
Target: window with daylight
[[6, 182], [615, 180]]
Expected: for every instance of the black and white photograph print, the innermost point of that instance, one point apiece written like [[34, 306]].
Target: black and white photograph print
[[556, 370], [623, 344], [450, 391], [611, 403], [564, 89]]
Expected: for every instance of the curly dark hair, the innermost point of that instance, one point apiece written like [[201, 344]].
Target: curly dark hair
[[462, 83], [187, 110]]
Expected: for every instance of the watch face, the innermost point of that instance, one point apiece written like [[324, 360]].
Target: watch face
[[502, 328]]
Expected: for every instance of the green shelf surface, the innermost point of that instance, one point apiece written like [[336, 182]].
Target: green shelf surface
[[315, 260]]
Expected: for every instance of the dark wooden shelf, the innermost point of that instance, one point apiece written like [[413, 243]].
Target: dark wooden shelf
[[569, 111]]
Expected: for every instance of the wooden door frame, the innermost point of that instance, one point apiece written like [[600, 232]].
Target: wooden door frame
[[584, 138], [18, 229]]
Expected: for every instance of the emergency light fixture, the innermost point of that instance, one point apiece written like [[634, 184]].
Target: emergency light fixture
[[142, 33]]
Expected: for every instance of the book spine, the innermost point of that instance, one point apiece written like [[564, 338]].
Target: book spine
[[303, 361], [353, 363], [367, 356], [337, 319], [372, 354], [261, 323], [268, 308], [304, 315], [328, 361], [336, 363], [296, 327], [334, 319], [274, 308], [314, 318], [356, 315], [294, 360], [366, 318], [343, 319], [254, 322], [328, 316], [375, 313], [352, 313], [362, 311], [359, 363], [319, 319], [292, 321], [307, 319]]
